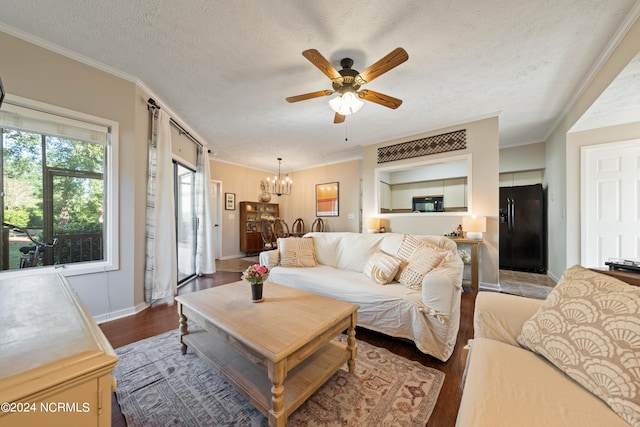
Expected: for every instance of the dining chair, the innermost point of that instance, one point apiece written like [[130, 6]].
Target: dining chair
[[280, 228], [297, 229], [269, 239], [318, 225]]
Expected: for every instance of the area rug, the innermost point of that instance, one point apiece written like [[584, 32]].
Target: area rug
[[158, 386]]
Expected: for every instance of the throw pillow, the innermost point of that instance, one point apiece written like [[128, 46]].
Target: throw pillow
[[297, 252], [381, 267], [425, 258], [418, 258], [408, 246], [589, 328]]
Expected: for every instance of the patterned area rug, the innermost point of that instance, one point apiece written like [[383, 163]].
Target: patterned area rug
[[158, 386]]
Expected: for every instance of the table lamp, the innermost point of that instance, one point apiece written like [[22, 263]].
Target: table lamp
[[372, 224], [474, 226]]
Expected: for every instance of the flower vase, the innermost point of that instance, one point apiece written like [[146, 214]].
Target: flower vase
[[256, 292]]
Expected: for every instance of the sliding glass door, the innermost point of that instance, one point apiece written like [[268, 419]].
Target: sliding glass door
[[186, 221]]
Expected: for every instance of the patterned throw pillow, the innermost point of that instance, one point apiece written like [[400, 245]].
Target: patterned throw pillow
[[589, 328], [297, 252], [381, 267], [418, 258]]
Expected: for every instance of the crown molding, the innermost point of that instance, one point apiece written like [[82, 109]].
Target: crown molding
[[629, 21], [45, 44], [30, 38]]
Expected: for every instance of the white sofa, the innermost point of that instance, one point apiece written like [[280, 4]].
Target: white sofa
[[428, 316], [507, 384]]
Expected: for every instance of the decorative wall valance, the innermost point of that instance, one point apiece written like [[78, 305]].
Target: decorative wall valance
[[450, 141]]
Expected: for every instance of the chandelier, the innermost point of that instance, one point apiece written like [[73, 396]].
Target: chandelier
[[279, 186]]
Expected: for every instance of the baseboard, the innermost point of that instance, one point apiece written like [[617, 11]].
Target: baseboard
[[120, 313], [553, 277]]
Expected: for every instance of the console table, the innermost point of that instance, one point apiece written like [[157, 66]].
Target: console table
[[55, 363], [473, 262]]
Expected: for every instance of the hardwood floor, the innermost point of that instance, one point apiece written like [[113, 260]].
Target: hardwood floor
[[163, 318]]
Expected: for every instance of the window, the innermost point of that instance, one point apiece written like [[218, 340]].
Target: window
[[59, 182]]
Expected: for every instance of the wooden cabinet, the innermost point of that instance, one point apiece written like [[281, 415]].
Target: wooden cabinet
[[432, 188], [398, 197], [385, 197], [251, 213], [401, 197], [513, 179], [455, 193], [55, 363]]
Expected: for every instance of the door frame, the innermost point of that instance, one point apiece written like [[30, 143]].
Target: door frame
[[216, 191], [585, 196], [176, 185]]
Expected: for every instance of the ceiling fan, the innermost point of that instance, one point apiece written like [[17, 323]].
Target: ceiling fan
[[348, 81]]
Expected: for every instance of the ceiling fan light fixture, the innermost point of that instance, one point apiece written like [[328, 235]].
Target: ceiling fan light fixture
[[347, 103], [348, 81]]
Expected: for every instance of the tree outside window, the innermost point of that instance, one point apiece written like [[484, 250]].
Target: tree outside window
[[54, 189]]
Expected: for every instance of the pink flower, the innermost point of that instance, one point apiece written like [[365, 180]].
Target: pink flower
[[256, 273]]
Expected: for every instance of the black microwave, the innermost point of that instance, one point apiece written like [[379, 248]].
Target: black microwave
[[428, 204]]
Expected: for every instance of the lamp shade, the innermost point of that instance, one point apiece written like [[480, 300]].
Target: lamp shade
[[474, 226], [372, 224]]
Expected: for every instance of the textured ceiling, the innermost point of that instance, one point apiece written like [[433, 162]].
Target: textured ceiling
[[225, 67]]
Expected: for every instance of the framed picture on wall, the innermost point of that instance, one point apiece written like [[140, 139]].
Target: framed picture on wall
[[230, 201], [327, 199]]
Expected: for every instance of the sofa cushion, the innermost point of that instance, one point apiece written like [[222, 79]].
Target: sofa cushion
[[326, 247], [589, 327], [419, 259], [355, 249], [507, 385], [381, 267], [297, 252]]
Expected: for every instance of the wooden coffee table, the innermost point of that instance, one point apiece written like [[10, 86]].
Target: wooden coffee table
[[276, 353]]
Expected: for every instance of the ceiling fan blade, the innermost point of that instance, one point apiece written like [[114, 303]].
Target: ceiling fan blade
[[380, 98], [309, 95], [323, 64], [392, 60], [338, 118]]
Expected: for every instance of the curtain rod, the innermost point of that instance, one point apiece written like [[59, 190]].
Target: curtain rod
[[151, 104]]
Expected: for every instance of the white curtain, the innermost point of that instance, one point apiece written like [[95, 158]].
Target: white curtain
[[161, 271], [205, 251]]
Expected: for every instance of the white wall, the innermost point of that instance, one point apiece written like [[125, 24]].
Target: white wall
[[482, 144], [245, 183], [522, 158], [42, 75], [303, 202], [562, 169]]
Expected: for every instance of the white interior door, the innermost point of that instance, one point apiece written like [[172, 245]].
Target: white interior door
[[611, 202]]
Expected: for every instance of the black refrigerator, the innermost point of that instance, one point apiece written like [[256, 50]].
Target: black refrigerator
[[522, 228]]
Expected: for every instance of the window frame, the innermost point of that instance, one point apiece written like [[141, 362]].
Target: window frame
[[111, 196]]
